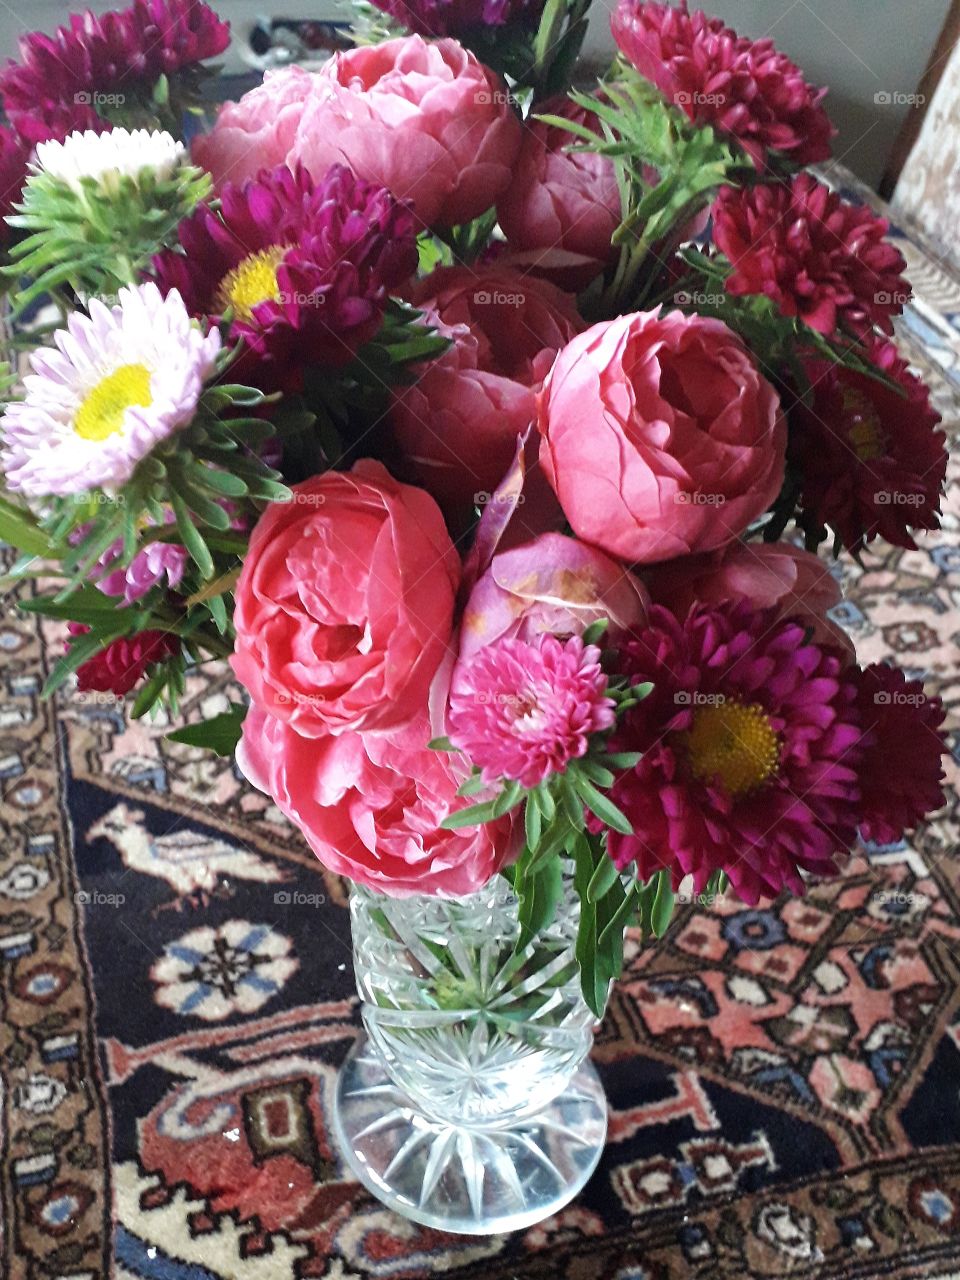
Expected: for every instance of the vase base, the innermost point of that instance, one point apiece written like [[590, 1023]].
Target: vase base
[[475, 1181]]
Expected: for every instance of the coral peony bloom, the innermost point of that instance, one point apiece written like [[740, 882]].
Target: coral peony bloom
[[660, 437], [305, 267], [456, 17], [900, 777], [345, 603], [553, 585], [122, 664], [370, 806], [524, 711], [869, 459], [53, 90], [426, 120], [745, 88], [457, 425], [768, 575], [752, 747], [561, 201], [812, 253]]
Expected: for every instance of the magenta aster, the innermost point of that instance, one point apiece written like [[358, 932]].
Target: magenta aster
[[13, 173], [123, 663], [743, 87], [454, 17], [60, 79], [869, 458], [524, 711], [305, 267], [752, 748], [900, 775], [815, 255]]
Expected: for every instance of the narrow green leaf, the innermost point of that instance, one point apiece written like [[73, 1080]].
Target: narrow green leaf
[[603, 879], [603, 807], [219, 735], [539, 894], [191, 536], [532, 821]]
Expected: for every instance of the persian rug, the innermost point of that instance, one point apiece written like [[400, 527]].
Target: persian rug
[[784, 1083]]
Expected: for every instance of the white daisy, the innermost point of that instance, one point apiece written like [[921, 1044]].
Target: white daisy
[[107, 157], [119, 381]]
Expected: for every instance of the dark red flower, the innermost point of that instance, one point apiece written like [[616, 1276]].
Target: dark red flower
[[751, 748], [815, 255], [455, 17], [14, 153], [743, 87], [900, 775], [305, 266], [123, 663], [60, 79], [870, 460]]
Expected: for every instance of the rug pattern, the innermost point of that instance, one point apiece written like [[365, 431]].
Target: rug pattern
[[784, 1083]]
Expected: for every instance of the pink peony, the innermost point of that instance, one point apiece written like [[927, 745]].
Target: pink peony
[[816, 256], [659, 436], [524, 711], [457, 425], [561, 208], [370, 806], [742, 87], [426, 120], [774, 575], [345, 603], [552, 585]]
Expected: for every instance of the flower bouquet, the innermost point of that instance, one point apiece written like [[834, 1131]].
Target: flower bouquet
[[488, 422]]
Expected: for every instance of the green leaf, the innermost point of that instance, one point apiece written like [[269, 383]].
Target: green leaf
[[507, 799], [191, 536], [19, 528], [539, 893], [595, 630], [473, 816], [532, 821], [602, 806], [623, 759], [441, 744], [602, 880], [662, 910], [219, 735]]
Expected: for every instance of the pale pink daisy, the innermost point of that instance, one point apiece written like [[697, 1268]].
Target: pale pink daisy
[[524, 711]]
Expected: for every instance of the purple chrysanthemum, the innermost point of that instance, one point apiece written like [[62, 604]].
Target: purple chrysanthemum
[[56, 86], [752, 745], [305, 267], [524, 711]]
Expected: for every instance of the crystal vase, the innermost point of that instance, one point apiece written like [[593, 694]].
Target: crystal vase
[[470, 1105]]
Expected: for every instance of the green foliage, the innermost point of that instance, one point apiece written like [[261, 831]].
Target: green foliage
[[219, 735], [92, 238]]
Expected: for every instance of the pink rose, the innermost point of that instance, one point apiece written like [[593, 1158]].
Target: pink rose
[[345, 603], [660, 436], [562, 207], [457, 426], [259, 131], [370, 806], [767, 574], [425, 119], [553, 585]]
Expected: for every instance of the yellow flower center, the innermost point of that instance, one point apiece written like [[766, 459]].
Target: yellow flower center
[[252, 281], [864, 429], [102, 411], [732, 742]]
